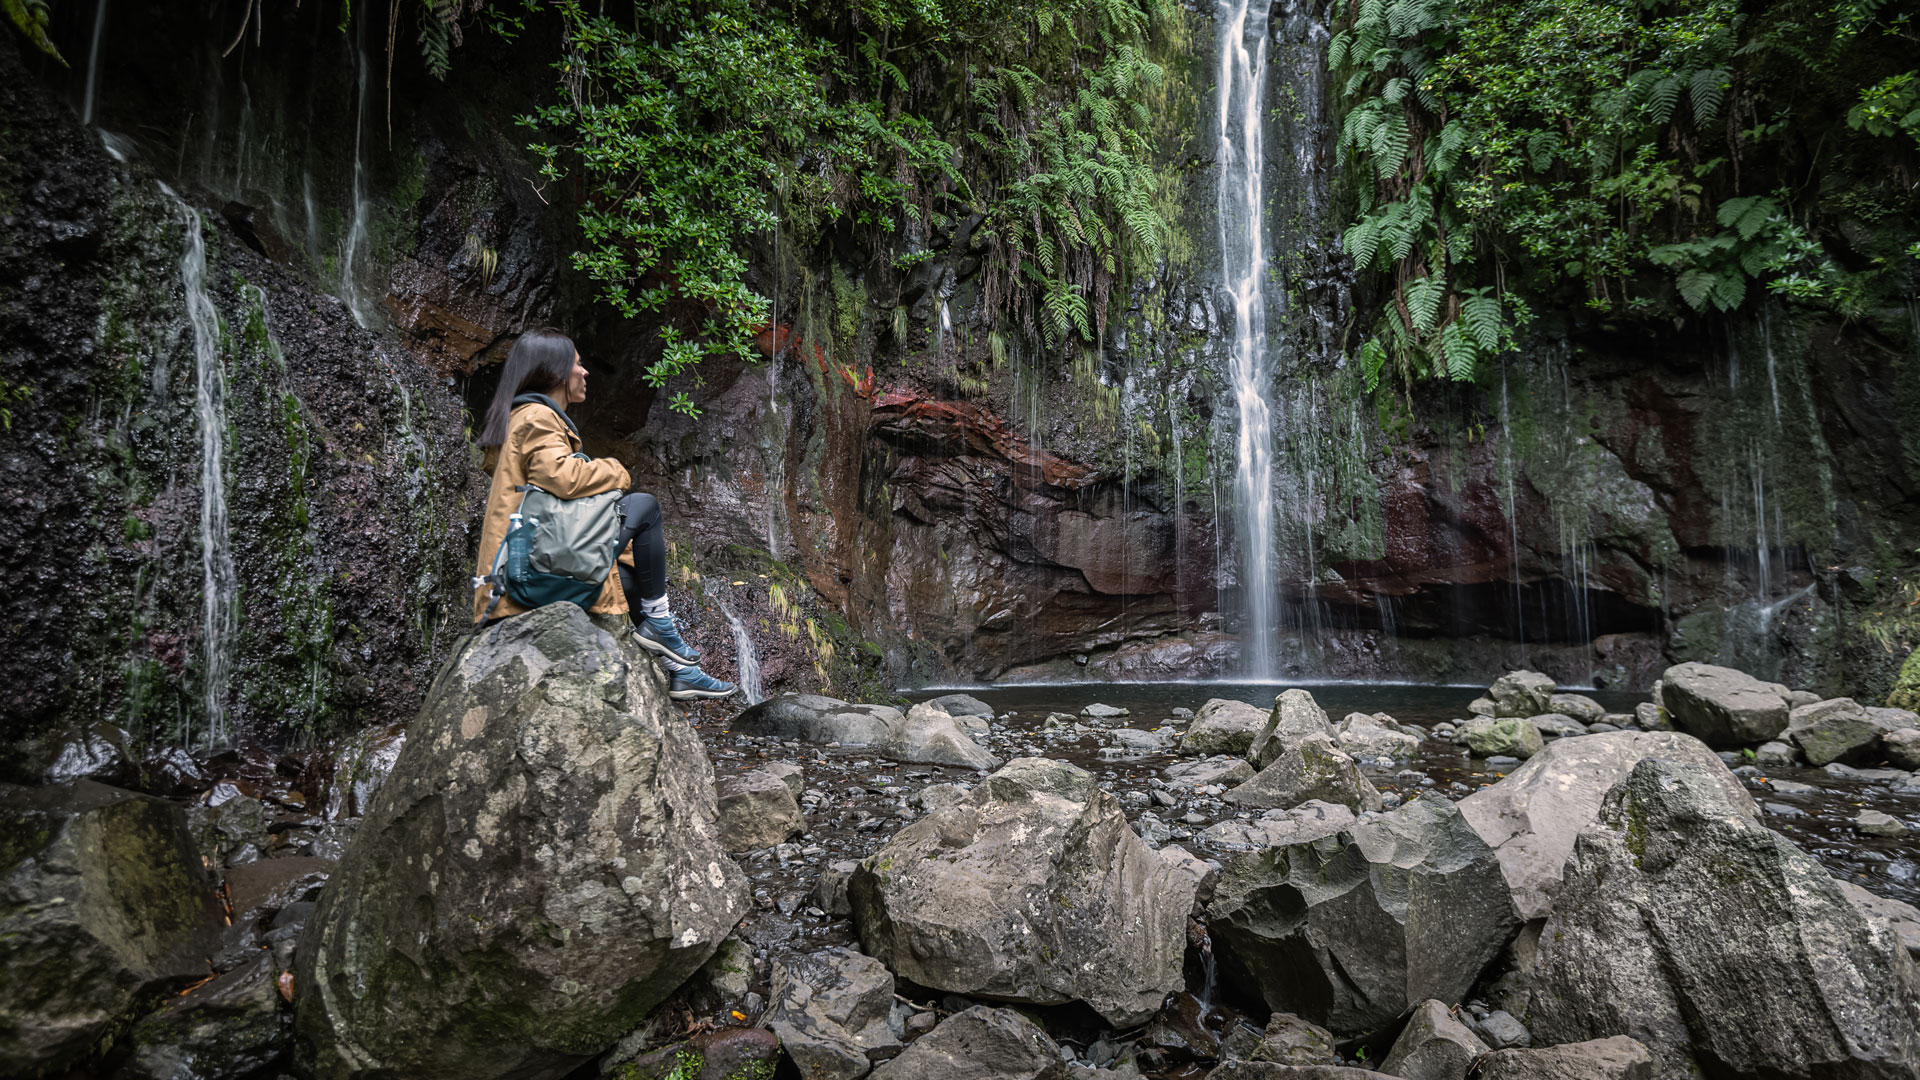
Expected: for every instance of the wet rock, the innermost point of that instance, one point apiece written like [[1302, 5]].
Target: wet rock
[[962, 705], [1307, 768], [1290, 1040], [1103, 712], [1902, 919], [100, 752], [1555, 725], [931, 737], [756, 810], [1837, 729], [1135, 741], [830, 1008], [1351, 930], [726, 1054], [1309, 821], [1214, 770], [227, 1029], [1902, 747], [104, 905], [1721, 706], [1223, 727], [1034, 890], [1181, 1025], [361, 763], [1615, 1058], [1433, 1046], [1579, 706], [729, 972], [1877, 823], [1367, 737], [830, 892], [538, 872], [979, 1044], [1684, 924], [1510, 736], [1532, 817], [1521, 693], [1266, 1070], [1774, 755], [1295, 716]]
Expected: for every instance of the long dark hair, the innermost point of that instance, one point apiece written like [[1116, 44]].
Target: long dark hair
[[540, 361]]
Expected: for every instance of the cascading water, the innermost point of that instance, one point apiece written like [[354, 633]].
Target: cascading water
[[356, 242], [1243, 263], [746, 657], [92, 90], [218, 582]]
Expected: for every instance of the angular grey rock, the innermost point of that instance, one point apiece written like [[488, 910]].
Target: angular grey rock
[[1035, 890], [1223, 726], [1482, 706], [1579, 706], [830, 1009], [104, 904], [540, 870], [1290, 1040], [1774, 755], [1307, 822], [1509, 736], [227, 1029], [1722, 706], [1709, 938], [1902, 919], [1213, 770], [1351, 930], [756, 810], [789, 773], [1307, 768], [729, 972], [962, 705], [1366, 737], [1295, 716], [1103, 712], [1836, 729], [979, 1044], [1267, 1070], [1532, 817], [1652, 717], [1433, 1046], [1615, 1058], [1878, 823], [361, 763], [1521, 693], [1500, 1030], [932, 738], [1556, 725], [1137, 742], [1902, 747]]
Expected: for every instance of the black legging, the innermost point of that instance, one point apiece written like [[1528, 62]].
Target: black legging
[[640, 526]]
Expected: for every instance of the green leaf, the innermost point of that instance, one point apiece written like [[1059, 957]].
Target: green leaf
[[1423, 301]]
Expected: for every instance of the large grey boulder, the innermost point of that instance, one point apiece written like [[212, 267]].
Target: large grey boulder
[[1351, 930], [1365, 737], [962, 705], [830, 1009], [1722, 706], [1521, 693], [979, 1044], [1433, 1046], [1509, 736], [756, 809], [1223, 726], [104, 905], [1295, 716], [1034, 890], [926, 736], [540, 870], [1837, 729], [1902, 747], [1579, 706], [1219, 769], [1615, 1058], [1901, 918], [1309, 821], [1532, 817], [1718, 944], [1311, 767]]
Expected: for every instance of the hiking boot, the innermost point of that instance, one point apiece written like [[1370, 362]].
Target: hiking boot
[[690, 683], [662, 637]]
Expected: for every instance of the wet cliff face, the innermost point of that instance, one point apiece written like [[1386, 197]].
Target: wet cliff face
[[164, 376]]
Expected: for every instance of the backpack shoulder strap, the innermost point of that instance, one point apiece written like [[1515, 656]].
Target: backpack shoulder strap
[[542, 399]]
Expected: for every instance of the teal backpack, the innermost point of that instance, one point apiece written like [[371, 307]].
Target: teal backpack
[[556, 550]]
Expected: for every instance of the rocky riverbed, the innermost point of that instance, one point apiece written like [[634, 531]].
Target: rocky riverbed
[[1163, 880]]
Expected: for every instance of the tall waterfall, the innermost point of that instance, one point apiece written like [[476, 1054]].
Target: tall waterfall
[[1243, 265], [354, 249], [218, 583]]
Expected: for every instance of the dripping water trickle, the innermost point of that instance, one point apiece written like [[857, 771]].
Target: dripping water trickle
[[92, 91], [1242, 85], [219, 584], [746, 656], [356, 241]]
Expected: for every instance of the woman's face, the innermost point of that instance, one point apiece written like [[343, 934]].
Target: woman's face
[[577, 382]]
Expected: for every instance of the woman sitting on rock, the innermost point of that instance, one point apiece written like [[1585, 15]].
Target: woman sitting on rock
[[533, 444]]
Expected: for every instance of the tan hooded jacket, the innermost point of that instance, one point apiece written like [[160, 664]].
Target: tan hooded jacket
[[539, 450]]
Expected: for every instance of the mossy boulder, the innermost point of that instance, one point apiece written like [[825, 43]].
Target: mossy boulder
[[540, 870], [105, 908], [1906, 686], [1508, 735]]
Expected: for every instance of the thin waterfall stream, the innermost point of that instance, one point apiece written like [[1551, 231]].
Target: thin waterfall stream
[[1243, 264]]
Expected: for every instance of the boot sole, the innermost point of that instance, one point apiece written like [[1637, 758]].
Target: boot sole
[[688, 695], [659, 649]]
